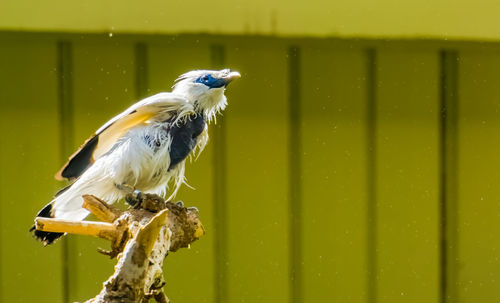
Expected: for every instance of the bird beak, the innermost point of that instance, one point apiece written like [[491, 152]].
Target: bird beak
[[231, 76]]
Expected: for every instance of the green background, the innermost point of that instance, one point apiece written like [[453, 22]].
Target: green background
[[343, 170], [450, 19]]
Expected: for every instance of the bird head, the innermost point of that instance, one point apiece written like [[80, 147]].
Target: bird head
[[205, 89]]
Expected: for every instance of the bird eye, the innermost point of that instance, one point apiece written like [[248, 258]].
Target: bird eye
[[209, 80]]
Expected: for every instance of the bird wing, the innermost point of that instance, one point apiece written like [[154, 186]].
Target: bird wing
[[164, 104]]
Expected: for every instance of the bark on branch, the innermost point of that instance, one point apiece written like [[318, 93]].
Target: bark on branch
[[140, 238]]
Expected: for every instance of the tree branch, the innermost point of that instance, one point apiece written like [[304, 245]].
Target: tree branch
[[140, 237], [96, 229], [100, 209]]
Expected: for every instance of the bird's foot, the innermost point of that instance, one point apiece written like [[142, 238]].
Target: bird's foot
[[135, 198], [150, 202]]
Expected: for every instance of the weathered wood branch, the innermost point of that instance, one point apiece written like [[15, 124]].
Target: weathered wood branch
[[100, 209], [140, 238], [87, 228]]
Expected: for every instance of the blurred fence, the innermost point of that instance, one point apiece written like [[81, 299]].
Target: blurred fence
[[342, 170]]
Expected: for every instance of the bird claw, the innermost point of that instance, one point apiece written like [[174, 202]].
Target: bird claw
[[138, 194], [135, 198]]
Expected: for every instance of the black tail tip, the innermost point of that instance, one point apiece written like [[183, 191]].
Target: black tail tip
[[46, 237]]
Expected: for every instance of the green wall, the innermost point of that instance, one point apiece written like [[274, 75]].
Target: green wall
[[341, 171], [448, 19]]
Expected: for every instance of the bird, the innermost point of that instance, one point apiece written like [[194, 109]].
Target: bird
[[143, 149]]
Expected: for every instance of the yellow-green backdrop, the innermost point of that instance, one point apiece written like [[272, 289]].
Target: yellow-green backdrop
[[343, 170]]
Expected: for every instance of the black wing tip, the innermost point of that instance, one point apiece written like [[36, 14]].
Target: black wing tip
[[82, 160], [46, 237]]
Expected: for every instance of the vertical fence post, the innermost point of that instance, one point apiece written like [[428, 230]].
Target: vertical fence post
[[66, 131], [449, 171], [220, 198], [295, 181], [141, 70], [371, 207]]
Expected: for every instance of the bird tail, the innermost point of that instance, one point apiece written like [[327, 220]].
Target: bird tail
[[67, 205], [45, 236]]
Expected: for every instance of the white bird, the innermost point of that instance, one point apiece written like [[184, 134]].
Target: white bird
[[144, 148]]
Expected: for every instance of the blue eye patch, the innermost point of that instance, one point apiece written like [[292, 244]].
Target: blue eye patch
[[210, 81]]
